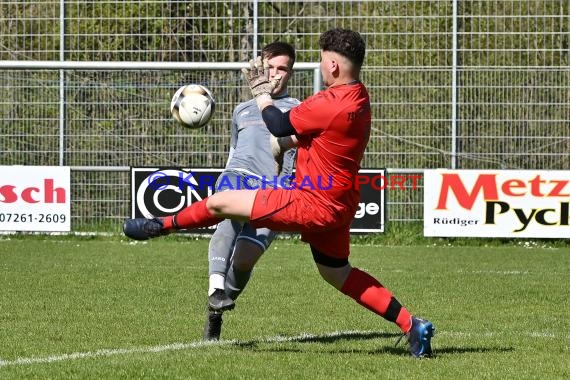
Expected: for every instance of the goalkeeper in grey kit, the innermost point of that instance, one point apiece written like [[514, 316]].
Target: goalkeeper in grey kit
[[256, 159]]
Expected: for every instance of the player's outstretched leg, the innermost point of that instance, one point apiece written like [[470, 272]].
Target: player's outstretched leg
[[419, 338], [194, 216], [143, 229]]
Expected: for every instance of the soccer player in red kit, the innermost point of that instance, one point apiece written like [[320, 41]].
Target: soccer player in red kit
[[332, 129]]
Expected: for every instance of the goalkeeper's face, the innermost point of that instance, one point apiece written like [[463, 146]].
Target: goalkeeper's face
[[280, 65]]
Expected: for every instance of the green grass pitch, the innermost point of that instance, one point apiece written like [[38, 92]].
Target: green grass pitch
[[107, 308]]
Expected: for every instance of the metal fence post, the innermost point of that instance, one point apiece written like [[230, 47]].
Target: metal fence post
[[61, 83], [255, 26], [454, 88]]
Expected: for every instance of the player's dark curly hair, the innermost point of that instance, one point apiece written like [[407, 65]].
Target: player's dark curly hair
[[279, 48], [346, 42]]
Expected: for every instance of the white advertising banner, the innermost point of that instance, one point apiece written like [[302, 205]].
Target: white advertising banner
[[35, 198], [497, 203]]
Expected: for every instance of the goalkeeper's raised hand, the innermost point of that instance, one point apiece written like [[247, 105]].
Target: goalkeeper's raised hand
[[257, 77]]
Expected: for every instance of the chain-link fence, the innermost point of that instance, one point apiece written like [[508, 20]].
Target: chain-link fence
[[464, 84]]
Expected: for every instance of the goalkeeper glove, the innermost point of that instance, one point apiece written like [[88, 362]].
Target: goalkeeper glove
[[257, 77]]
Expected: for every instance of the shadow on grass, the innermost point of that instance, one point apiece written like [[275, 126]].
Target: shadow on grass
[[326, 338], [447, 351], [347, 335], [401, 349]]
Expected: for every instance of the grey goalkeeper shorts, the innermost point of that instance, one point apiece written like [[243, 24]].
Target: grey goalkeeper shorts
[[230, 180]]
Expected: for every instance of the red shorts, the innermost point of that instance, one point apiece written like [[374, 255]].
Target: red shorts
[[327, 229]]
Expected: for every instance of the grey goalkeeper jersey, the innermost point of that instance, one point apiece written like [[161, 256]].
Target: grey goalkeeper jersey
[[250, 149]]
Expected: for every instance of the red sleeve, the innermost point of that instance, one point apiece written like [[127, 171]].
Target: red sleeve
[[313, 115]]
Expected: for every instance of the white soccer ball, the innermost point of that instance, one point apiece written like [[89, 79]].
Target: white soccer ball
[[192, 106]]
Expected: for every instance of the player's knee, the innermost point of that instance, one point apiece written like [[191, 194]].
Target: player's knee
[[215, 205], [334, 276]]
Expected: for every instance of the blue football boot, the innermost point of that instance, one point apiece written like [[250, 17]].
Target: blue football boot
[[419, 338], [143, 229]]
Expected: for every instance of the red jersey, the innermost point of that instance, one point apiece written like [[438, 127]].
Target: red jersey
[[333, 128]]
